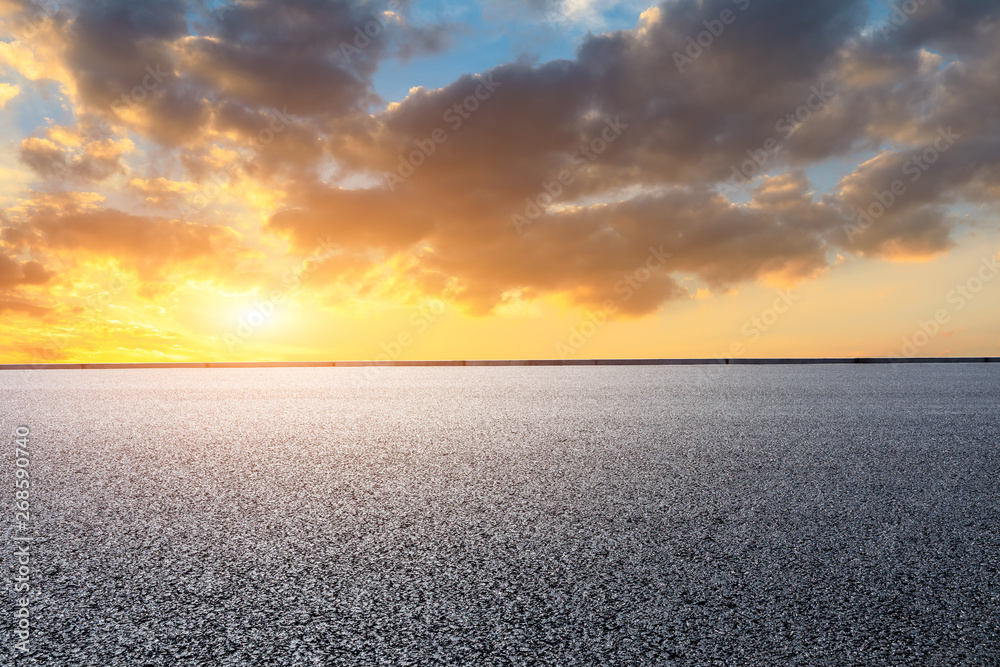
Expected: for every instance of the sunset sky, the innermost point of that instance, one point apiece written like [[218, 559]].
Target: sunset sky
[[322, 180]]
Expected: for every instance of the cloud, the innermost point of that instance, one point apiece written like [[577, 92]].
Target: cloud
[[75, 154], [203, 86], [162, 192], [8, 91], [679, 137], [687, 128], [15, 306], [75, 225], [288, 55], [15, 274]]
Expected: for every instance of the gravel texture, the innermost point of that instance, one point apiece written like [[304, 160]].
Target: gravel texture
[[792, 515]]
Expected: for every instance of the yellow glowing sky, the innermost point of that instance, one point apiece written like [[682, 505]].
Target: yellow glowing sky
[[173, 191]]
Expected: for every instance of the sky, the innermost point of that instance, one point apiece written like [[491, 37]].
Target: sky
[[279, 180]]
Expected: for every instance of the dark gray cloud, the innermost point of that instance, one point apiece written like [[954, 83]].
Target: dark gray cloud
[[945, 26], [309, 58]]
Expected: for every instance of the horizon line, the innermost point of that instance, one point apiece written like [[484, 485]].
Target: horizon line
[[762, 361]]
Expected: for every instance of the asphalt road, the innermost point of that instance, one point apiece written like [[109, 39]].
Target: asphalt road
[[509, 516]]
